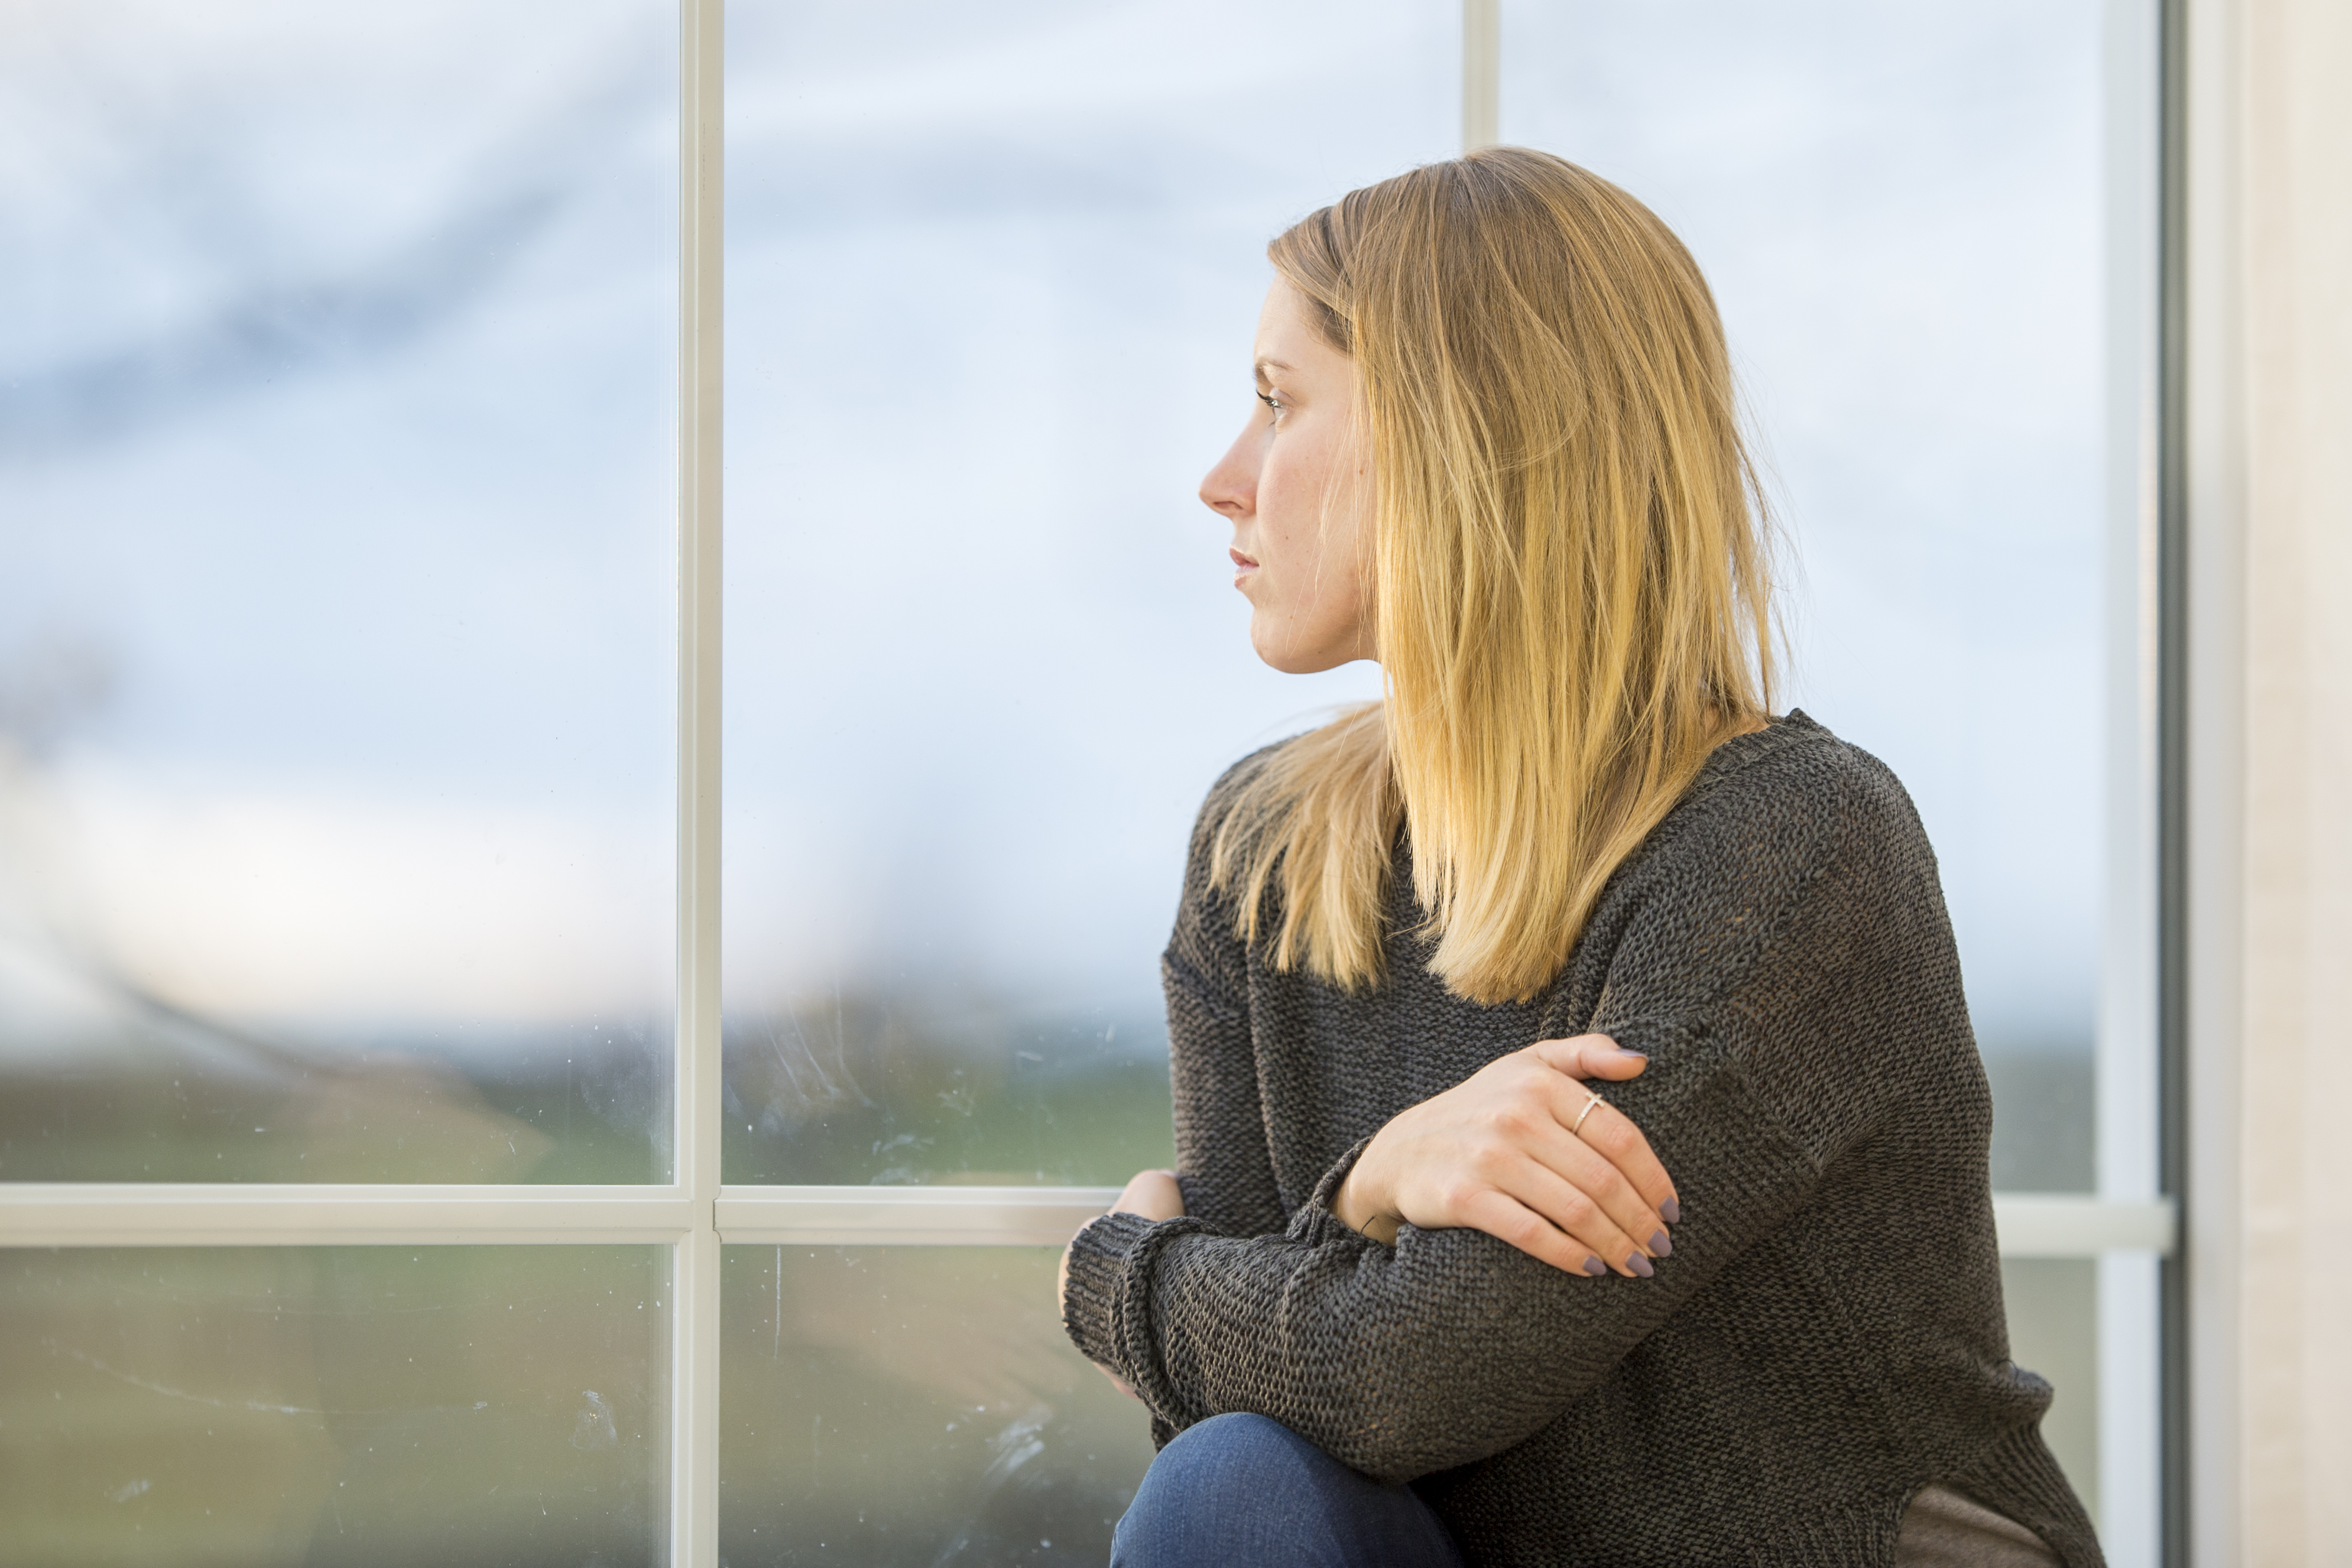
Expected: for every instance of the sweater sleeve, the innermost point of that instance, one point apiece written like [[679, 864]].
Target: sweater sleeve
[[1773, 979], [1224, 1164]]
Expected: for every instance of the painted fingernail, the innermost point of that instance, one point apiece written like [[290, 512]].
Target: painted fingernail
[[1671, 1212], [1662, 1245], [1640, 1265], [1595, 1267], [1636, 1055]]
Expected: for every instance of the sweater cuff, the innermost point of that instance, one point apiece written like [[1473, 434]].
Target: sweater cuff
[[1318, 1221], [1097, 1281]]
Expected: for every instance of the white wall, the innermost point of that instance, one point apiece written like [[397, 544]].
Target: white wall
[[2269, 273]]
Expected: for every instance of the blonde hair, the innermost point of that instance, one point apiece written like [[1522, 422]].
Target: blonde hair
[[1570, 599]]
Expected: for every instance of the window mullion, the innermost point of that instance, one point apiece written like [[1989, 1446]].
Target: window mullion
[[198, 1214], [694, 1369]]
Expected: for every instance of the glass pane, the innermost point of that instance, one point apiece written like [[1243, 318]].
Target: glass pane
[[992, 276], [915, 1405], [1900, 210], [255, 1406], [336, 613], [2053, 1328]]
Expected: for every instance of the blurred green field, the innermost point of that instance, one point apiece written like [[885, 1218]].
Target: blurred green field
[[941, 1096], [462, 1405], [559, 1113], [256, 1407], [861, 1094], [915, 1405], [503, 1405]]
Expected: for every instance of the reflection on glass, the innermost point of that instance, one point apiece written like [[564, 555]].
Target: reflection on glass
[[2043, 1114], [920, 1089], [347, 1406], [2053, 1329], [915, 1405], [1899, 208], [992, 278], [335, 633]]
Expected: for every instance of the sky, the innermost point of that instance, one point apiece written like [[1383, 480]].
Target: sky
[[336, 469]]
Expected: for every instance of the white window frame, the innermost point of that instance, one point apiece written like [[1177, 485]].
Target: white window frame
[[2129, 1226]]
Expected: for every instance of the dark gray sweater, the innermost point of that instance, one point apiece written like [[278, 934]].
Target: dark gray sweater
[[1828, 1336]]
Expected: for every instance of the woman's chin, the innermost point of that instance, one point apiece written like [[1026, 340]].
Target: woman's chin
[[1293, 658]]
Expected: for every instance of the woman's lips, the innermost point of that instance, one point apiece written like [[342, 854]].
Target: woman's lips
[[1243, 565]]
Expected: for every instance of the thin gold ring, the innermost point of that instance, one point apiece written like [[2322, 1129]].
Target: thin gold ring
[[1581, 1115]]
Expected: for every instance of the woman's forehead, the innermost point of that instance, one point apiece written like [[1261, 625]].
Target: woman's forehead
[[1286, 340]]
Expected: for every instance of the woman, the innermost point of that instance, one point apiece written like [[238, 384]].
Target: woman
[[1418, 1295]]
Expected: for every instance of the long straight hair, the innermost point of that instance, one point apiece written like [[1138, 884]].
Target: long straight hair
[[1571, 593]]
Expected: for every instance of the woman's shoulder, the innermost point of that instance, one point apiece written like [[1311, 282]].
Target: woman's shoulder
[[1787, 800], [1791, 842], [1795, 767], [1227, 792], [1202, 905], [1229, 783]]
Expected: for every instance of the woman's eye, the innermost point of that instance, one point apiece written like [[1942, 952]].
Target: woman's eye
[[1273, 404]]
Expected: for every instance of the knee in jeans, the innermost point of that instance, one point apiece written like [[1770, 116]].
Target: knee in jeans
[[1235, 1452], [1232, 1449], [1244, 1489]]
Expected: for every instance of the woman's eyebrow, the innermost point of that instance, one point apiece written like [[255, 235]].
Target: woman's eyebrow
[[1265, 365]]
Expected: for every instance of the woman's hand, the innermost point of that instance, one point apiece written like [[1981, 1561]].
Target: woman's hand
[[1151, 1193], [1512, 1151]]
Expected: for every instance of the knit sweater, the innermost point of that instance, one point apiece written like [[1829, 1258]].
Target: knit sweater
[[1827, 1338]]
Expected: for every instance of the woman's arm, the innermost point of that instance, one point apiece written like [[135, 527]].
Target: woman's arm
[[1449, 1347], [1778, 1048], [1526, 1151], [1507, 1161], [1501, 1152], [1522, 1151], [1224, 1168]]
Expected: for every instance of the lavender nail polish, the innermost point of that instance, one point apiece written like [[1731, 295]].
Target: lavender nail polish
[[1662, 1245], [1595, 1267], [1640, 1265], [1671, 1212]]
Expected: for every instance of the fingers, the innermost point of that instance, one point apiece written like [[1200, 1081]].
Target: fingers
[[1577, 1213], [1523, 1155], [1582, 1193], [1536, 1125], [1612, 1135], [1506, 1219], [1606, 1128], [1524, 1151], [1589, 1056]]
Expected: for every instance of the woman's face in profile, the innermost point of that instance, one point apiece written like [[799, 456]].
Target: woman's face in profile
[[1295, 488]]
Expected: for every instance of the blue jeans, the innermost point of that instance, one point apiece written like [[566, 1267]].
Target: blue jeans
[[1241, 1491]]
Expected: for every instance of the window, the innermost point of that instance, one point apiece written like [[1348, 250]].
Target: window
[[403, 1140], [1932, 233]]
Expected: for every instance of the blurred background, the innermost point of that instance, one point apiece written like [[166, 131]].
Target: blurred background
[[337, 637], [335, 633], [991, 279]]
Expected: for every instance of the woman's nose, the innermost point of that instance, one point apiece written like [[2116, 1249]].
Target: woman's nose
[[1230, 489]]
